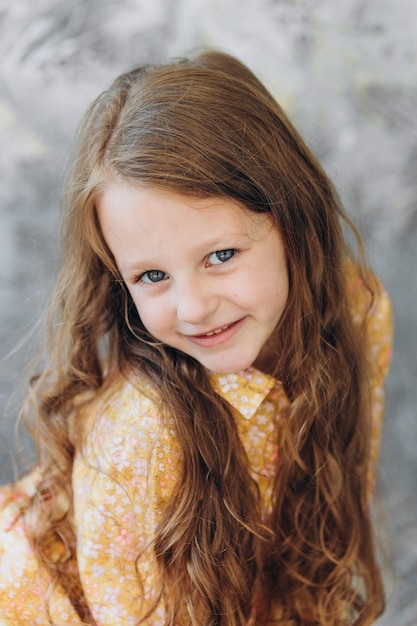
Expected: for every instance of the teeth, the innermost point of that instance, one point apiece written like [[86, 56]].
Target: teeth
[[216, 332]]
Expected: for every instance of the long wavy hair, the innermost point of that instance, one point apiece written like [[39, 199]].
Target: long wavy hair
[[207, 127]]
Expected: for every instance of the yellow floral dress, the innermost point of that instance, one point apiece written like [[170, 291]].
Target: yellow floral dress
[[124, 477]]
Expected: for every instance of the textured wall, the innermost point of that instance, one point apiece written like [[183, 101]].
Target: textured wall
[[346, 73]]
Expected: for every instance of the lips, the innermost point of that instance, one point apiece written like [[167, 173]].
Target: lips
[[217, 335]]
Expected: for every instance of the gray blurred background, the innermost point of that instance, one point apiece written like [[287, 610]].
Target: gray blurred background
[[345, 71]]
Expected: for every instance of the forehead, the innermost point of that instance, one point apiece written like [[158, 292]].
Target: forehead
[[151, 211]]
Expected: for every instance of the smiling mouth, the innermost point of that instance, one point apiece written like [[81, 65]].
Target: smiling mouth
[[215, 332], [218, 335]]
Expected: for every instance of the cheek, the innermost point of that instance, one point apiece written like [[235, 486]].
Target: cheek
[[271, 296], [269, 290], [280, 300], [153, 314]]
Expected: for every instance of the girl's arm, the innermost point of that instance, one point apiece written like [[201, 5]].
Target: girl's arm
[[379, 329], [121, 480], [378, 337]]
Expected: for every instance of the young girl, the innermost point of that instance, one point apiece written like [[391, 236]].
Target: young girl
[[208, 415]]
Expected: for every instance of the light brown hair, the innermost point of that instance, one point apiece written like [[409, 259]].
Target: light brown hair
[[207, 127]]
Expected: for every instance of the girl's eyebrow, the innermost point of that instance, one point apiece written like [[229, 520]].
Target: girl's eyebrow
[[223, 240]]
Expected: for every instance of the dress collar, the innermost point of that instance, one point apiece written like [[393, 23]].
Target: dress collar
[[245, 390]]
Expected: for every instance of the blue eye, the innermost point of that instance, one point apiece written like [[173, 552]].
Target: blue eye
[[221, 256], [153, 276]]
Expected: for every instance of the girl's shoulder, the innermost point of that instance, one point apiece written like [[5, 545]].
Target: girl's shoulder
[[367, 295], [371, 310], [127, 444], [126, 403]]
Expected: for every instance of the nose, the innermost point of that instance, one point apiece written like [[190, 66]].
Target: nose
[[195, 301]]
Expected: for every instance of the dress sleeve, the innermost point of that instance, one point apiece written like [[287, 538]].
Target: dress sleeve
[[23, 582], [118, 482], [379, 330], [378, 335]]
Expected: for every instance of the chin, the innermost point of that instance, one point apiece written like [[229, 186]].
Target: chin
[[231, 367]]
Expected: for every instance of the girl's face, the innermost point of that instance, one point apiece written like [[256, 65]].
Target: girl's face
[[208, 277]]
